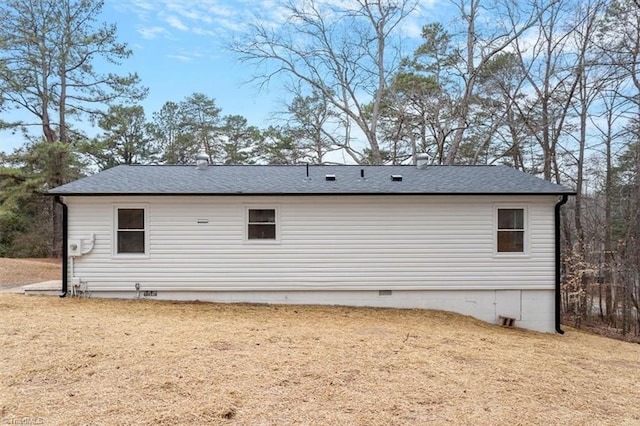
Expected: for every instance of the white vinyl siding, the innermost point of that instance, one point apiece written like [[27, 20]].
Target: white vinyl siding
[[325, 243]]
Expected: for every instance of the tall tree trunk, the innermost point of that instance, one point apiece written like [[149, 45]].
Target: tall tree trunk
[[470, 77], [583, 108], [608, 243]]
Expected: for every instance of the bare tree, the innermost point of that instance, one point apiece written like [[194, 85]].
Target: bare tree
[[590, 82], [547, 65], [343, 51], [481, 45], [620, 48], [456, 57], [608, 129]]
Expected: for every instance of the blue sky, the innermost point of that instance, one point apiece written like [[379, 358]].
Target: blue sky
[[179, 48]]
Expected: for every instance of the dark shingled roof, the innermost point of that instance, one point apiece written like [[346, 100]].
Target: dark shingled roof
[[273, 180]]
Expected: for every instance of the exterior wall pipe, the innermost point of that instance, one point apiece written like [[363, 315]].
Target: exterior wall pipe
[[65, 249], [558, 304]]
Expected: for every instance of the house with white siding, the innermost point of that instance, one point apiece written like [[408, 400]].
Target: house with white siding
[[478, 240]]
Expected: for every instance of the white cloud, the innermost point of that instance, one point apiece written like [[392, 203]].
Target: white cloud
[[187, 54], [209, 18], [203, 32], [220, 10], [220, 18], [193, 15], [143, 4], [431, 3], [412, 28], [143, 9], [176, 23], [181, 58], [151, 33]]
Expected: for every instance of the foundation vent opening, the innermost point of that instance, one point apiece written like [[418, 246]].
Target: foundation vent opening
[[506, 321]]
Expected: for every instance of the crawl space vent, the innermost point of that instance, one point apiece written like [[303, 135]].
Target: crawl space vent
[[330, 177], [396, 178], [506, 321]]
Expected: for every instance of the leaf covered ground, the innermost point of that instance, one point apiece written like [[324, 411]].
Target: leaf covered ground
[[90, 361], [18, 272]]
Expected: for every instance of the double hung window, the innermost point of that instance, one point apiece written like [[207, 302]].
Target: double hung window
[[511, 230], [130, 231], [261, 224]]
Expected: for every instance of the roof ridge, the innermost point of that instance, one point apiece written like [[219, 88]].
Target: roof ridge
[[292, 179], [313, 165]]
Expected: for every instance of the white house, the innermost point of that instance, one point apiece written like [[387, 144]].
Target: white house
[[477, 240]]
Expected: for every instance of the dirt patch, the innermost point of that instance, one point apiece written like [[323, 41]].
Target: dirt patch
[[18, 272], [146, 362]]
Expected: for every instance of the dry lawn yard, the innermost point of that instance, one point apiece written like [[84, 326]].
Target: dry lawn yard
[[17, 272], [89, 361]]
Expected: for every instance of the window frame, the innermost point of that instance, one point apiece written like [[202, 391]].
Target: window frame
[[525, 230], [246, 224], [116, 230]]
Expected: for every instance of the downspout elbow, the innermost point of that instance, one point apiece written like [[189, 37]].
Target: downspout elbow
[[558, 294], [65, 250]]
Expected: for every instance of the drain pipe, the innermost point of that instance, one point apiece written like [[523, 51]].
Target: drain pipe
[[65, 249], [559, 204]]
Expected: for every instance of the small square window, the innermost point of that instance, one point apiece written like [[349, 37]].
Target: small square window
[[261, 224], [510, 231], [130, 233]]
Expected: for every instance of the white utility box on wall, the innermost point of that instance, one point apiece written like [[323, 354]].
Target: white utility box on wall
[[75, 247]]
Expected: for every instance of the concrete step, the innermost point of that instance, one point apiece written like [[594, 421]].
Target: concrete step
[[46, 288]]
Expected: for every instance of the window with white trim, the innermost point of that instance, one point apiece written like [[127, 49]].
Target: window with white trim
[[262, 224], [511, 230], [130, 230]]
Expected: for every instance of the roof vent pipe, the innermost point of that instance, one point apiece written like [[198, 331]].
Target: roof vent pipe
[[307, 177], [422, 160], [202, 161]]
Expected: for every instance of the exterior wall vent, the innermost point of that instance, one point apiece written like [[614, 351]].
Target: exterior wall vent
[[330, 177], [396, 178], [506, 321], [384, 292]]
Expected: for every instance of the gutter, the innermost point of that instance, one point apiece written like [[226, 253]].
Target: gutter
[[65, 249], [558, 295]]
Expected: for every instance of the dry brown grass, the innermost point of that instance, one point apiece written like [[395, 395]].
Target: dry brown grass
[[17, 272], [70, 361]]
